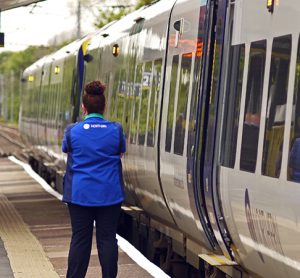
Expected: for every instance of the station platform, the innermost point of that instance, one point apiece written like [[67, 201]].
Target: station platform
[[35, 231]]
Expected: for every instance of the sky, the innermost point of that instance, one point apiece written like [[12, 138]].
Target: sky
[[37, 24]]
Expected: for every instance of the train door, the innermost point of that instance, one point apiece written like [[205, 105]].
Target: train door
[[206, 161], [191, 25]]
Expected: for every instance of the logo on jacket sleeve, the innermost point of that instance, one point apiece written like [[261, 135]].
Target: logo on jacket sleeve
[[86, 126]]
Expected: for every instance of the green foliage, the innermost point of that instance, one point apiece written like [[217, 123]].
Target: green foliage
[[142, 3], [18, 61], [110, 15], [115, 13]]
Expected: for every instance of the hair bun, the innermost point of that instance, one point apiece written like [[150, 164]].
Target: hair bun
[[95, 88]]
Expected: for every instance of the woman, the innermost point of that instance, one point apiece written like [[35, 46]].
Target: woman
[[93, 184]]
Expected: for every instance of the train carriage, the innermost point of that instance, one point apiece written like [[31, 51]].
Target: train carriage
[[207, 93], [258, 195]]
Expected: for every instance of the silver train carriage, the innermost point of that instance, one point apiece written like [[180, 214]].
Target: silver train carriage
[[207, 92]]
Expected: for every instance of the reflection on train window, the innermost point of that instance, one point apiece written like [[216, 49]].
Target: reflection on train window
[[113, 101], [106, 82], [276, 106], [130, 99], [181, 113], [252, 114], [294, 158], [171, 101], [121, 93], [135, 104], [109, 91], [156, 82], [144, 101], [232, 104]]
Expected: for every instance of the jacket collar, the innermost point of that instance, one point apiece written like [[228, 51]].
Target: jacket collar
[[94, 115]]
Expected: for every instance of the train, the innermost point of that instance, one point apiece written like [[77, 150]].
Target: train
[[207, 92]]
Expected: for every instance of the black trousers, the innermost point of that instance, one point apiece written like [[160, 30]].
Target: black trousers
[[82, 221]]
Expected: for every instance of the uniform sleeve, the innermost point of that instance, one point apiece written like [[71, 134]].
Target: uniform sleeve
[[64, 146], [66, 143], [123, 145]]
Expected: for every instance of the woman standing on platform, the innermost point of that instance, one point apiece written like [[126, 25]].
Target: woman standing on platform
[[93, 184]]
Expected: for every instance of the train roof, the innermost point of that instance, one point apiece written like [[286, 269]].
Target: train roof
[[97, 36], [67, 50], [108, 34], [123, 26], [35, 66]]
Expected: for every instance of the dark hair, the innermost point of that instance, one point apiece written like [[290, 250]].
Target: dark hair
[[93, 97]]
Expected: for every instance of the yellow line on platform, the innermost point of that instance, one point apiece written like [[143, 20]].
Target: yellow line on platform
[[26, 255]]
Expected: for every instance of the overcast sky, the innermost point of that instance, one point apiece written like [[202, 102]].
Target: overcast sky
[[36, 24]]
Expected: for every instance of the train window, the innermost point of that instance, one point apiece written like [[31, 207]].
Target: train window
[[171, 103], [252, 114], [294, 156], [232, 104], [276, 106], [184, 85], [135, 104], [156, 78], [144, 102], [137, 27]]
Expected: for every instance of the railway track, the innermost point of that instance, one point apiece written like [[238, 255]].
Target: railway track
[[11, 142]]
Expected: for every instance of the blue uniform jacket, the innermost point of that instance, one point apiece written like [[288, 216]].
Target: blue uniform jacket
[[94, 170]]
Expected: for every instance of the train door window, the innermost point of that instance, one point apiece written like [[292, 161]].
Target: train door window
[[294, 148], [144, 102], [276, 106], [171, 103], [181, 110], [252, 113], [154, 102], [232, 104], [135, 105]]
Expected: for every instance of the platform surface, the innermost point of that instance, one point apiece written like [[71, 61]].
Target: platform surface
[[35, 231]]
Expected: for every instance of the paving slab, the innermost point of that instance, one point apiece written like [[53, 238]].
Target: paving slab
[[35, 231]]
